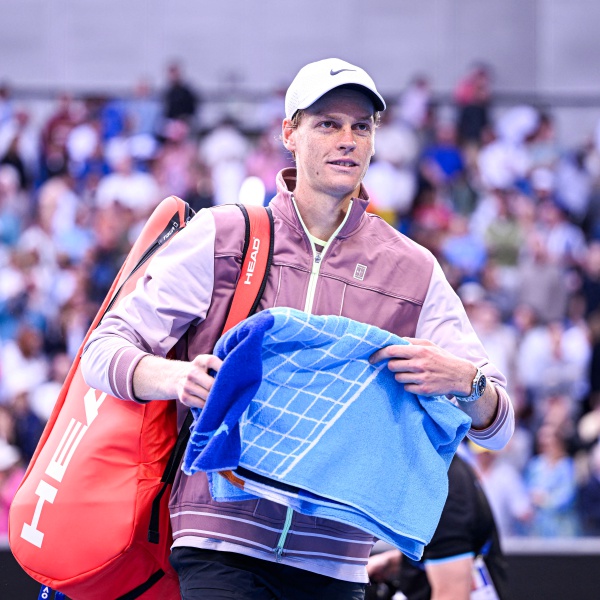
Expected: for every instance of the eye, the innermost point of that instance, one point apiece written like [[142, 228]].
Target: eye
[[363, 127], [326, 124]]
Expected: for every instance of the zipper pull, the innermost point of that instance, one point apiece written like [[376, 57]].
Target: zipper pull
[[318, 258], [278, 550]]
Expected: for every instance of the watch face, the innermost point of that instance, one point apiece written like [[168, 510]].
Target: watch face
[[481, 385]]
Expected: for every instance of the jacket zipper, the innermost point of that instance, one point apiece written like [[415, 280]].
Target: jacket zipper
[[308, 305], [312, 282], [317, 256], [278, 550]]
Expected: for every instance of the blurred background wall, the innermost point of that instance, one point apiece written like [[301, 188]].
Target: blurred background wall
[[540, 49]]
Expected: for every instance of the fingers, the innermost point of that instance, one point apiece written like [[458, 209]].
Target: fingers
[[207, 362], [400, 351], [421, 366], [389, 352], [419, 341], [197, 383]]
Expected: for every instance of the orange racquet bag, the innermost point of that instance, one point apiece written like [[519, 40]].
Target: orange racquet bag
[[79, 522]]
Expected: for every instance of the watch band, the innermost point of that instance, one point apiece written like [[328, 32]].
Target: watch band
[[477, 387]]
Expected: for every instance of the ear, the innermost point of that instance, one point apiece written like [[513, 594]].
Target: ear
[[288, 135]]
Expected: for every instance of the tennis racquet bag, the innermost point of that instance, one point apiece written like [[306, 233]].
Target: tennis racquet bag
[[79, 522]]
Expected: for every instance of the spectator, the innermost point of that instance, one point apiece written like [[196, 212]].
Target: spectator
[[505, 489], [23, 363], [463, 251], [43, 397], [473, 96], [589, 496], [542, 145], [132, 189], [112, 116], [551, 362], [19, 146], [6, 104], [541, 281], [443, 156], [498, 338], [143, 110], [413, 107], [103, 261], [85, 153], [590, 285], [551, 483], [11, 474], [28, 426], [588, 428], [392, 178], [200, 194], [225, 151], [176, 160], [504, 236], [431, 217], [13, 206], [55, 134], [265, 160], [564, 241], [180, 101]]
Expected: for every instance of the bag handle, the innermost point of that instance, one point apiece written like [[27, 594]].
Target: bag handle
[[257, 257]]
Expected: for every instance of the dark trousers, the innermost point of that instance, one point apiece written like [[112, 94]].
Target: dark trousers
[[209, 575]]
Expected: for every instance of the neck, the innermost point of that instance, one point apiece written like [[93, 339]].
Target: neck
[[322, 215]]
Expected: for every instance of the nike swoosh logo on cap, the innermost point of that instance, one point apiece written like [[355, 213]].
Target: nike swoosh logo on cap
[[332, 72]]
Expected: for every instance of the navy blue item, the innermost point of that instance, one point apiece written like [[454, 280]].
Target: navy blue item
[[211, 575]]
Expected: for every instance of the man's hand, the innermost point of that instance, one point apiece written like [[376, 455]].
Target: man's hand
[[194, 387], [157, 378], [427, 369]]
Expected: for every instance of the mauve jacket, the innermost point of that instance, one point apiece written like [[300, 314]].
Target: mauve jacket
[[368, 272]]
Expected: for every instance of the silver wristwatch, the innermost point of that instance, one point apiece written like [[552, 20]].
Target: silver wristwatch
[[477, 388]]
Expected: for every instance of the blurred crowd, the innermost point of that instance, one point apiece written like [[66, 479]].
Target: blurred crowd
[[511, 214]]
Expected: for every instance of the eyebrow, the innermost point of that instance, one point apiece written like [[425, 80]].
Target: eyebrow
[[333, 117]]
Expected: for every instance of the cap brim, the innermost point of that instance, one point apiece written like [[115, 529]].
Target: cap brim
[[378, 101]]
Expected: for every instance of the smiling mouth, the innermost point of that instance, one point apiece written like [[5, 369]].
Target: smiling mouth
[[343, 163]]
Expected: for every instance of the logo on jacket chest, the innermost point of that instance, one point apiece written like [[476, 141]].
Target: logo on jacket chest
[[360, 271]]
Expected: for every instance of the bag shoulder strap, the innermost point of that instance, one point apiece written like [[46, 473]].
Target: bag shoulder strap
[[256, 262], [257, 256]]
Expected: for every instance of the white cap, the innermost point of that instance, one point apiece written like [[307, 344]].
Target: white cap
[[317, 78]]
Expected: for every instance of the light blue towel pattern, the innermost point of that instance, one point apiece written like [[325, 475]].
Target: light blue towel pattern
[[296, 403]]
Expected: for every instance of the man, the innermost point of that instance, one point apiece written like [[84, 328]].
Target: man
[[180, 100], [330, 257]]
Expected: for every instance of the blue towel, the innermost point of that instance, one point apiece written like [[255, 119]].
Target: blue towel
[[301, 416]]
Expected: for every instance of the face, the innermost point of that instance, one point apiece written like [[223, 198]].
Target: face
[[333, 144]]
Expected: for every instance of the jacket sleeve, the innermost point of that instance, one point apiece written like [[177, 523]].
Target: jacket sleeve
[[175, 292], [443, 320]]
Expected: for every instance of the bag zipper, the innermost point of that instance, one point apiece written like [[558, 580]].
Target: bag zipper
[[169, 230]]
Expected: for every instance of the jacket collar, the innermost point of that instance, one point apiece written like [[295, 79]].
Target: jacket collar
[[282, 203]]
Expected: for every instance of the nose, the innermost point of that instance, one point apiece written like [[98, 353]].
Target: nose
[[346, 139]]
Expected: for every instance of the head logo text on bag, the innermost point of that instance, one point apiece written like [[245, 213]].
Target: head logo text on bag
[[59, 463], [252, 262]]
